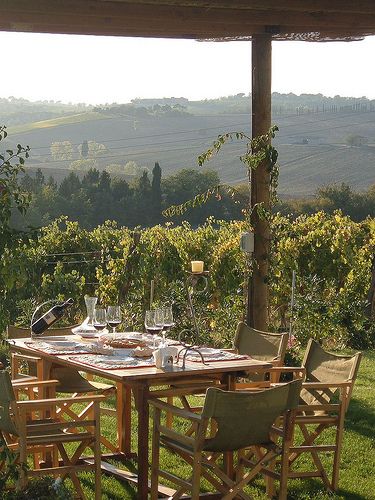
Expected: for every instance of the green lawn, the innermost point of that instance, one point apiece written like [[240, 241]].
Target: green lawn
[[357, 480]]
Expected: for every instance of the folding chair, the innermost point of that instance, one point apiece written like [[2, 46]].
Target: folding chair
[[243, 420], [33, 436], [263, 346], [70, 381], [325, 397]]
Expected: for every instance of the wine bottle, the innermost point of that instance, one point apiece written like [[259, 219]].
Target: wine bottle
[[50, 317]]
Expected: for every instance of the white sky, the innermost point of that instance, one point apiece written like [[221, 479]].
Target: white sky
[[110, 69]]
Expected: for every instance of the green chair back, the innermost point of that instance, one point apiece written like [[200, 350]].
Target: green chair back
[[7, 400], [244, 418], [323, 366], [263, 346]]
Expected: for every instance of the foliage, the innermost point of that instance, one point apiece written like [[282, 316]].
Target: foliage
[[10, 470], [44, 488], [98, 196], [358, 205], [257, 151], [331, 255], [11, 165]]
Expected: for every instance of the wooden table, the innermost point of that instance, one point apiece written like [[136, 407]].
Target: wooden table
[[141, 381]]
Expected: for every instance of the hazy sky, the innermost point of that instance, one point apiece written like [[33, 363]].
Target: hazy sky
[[110, 69]]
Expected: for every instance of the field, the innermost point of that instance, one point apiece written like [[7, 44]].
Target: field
[[312, 149]]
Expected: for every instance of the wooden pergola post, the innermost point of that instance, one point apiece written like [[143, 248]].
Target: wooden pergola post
[[261, 57]]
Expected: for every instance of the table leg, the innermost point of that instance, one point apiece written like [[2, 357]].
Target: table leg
[[143, 431], [124, 418]]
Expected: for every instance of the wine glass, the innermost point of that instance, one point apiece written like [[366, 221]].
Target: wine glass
[[100, 318], [151, 324], [168, 318], [113, 317], [159, 321]]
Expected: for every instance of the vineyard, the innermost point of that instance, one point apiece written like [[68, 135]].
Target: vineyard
[[331, 254]]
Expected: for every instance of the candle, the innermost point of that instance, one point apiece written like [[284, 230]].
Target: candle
[[197, 266]]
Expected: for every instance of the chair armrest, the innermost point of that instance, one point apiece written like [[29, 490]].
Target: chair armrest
[[35, 404], [287, 369], [33, 383], [179, 412], [326, 407], [325, 385]]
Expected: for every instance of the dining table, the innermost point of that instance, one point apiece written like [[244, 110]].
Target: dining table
[[145, 381]]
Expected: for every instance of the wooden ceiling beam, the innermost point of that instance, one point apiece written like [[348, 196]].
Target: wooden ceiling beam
[[343, 6], [123, 12]]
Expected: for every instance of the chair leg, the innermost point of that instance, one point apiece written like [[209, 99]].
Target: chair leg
[[197, 465], [336, 458]]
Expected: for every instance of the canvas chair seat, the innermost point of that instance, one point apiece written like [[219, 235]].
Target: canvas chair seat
[[71, 381], [242, 420]]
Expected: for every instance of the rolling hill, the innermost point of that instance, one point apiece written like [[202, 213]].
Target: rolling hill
[[312, 145]]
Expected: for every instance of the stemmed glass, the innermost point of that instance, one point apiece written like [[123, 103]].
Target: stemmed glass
[[168, 318], [113, 317], [100, 319], [154, 322]]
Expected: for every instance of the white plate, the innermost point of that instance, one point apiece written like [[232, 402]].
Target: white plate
[[52, 338], [88, 335], [123, 352], [205, 351], [62, 344]]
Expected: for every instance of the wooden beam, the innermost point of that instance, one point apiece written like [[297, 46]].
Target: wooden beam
[[257, 312], [357, 6], [134, 17]]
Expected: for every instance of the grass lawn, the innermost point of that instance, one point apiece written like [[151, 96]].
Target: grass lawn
[[357, 479]]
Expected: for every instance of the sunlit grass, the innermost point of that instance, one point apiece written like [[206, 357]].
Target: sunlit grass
[[357, 477]]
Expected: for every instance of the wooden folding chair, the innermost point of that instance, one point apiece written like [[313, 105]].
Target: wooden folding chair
[[70, 381], [27, 435], [263, 346], [244, 422], [325, 397]]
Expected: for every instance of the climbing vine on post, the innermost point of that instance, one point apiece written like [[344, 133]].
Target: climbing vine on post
[[259, 151]]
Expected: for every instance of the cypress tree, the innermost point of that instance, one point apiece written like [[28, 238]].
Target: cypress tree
[[156, 194]]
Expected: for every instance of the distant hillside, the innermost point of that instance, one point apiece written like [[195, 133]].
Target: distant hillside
[[312, 141]]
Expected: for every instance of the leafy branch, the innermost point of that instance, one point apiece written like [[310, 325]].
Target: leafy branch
[[258, 150]]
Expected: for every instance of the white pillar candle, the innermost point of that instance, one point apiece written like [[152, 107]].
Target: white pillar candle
[[197, 266]]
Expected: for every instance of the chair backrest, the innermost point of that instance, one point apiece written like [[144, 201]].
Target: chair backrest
[[244, 418], [326, 367], [263, 346], [7, 402], [16, 332]]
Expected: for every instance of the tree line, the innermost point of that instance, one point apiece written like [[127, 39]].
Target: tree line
[[100, 196]]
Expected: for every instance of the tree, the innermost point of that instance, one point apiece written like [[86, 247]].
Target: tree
[[156, 194], [62, 150], [11, 193], [84, 149], [70, 185], [83, 165], [355, 140]]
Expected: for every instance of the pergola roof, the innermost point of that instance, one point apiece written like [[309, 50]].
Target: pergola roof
[[314, 20]]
